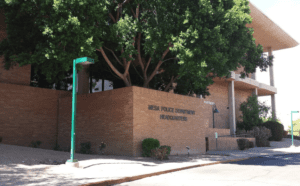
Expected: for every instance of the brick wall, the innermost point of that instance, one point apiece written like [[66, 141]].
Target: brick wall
[[222, 142], [15, 75], [28, 113], [102, 116], [239, 70], [219, 95], [175, 133], [240, 97]]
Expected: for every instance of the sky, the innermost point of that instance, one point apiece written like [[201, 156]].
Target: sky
[[284, 13]]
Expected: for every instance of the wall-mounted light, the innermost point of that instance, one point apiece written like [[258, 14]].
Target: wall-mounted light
[[215, 110]]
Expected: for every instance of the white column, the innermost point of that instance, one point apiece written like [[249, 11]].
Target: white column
[[83, 81], [231, 104], [272, 84], [255, 92]]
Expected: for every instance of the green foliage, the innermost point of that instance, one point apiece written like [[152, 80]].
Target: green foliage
[[251, 144], [243, 143], [148, 144], [296, 128], [35, 144], [160, 153], [102, 147], [85, 148], [265, 119], [262, 134], [276, 130], [252, 110], [202, 36], [57, 147], [168, 147]]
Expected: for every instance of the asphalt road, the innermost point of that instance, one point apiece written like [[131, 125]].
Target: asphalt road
[[281, 170]]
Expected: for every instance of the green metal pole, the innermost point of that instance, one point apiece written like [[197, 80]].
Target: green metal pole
[[74, 101]]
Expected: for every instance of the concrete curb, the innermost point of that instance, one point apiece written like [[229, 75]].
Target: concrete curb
[[133, 178]]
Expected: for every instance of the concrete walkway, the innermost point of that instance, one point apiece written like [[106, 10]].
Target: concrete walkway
[[109, 170], [211, 158]]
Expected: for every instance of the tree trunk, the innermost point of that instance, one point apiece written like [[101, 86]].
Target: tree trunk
[[102, 83]]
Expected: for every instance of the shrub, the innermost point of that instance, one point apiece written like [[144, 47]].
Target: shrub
[[102, 147], [85, 148], [251, 144], [57, 148], [168, 147], [276, 130], [262, 135], [160, 153], [168, 150], [285, 133], [35, 144], [242, 143], [148, 144], [252, 109]]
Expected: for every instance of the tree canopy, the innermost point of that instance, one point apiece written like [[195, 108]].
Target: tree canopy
[[139, 42]]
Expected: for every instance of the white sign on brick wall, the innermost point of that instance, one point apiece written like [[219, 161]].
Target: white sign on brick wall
[[208, 102]]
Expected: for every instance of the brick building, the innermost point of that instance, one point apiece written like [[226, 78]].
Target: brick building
[[123, 117]]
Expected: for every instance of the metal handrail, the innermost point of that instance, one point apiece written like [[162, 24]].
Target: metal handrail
[[237, 135]]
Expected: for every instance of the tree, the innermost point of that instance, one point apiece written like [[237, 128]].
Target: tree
[[144, 43], [253, 113], [296, 128]]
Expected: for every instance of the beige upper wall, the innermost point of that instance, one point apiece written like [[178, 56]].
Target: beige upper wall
[[267, 33]]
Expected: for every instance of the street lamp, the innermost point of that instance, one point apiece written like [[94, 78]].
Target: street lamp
[[82, 61], [292, 126], [215, 110]]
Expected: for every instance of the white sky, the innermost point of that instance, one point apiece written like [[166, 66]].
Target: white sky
[[284, 13]]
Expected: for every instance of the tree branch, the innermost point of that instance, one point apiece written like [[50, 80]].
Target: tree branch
[[118, 12], [114, 55], [132, 12], [170, 59], [159, 64], [137, 11], [171, 82], [148, 64], [139, 51], [124, 59], [112, 17], [110, 64]]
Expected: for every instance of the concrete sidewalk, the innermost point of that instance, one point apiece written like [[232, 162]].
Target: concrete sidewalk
[[109, 170], [212, 157]]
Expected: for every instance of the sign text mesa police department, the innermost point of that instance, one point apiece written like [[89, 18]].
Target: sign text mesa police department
[[168, 109]]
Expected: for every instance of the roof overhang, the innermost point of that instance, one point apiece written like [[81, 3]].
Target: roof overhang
[[267, 33]]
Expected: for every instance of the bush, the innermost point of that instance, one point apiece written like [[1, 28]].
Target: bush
[[57, 148], [251, 111], [35, 144], [262, 134], [276, 130], [262, 143], [242, 143], [160, 153], [251, 144], [85, 148], [102, 147], [148, 144], [168, 148], [285, 133]]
